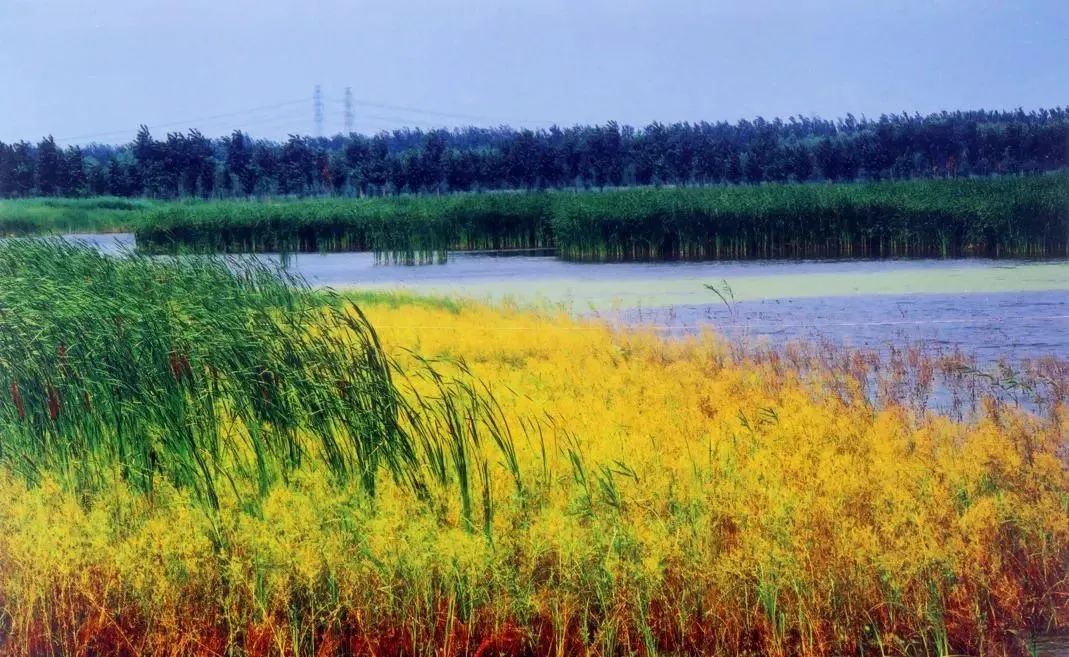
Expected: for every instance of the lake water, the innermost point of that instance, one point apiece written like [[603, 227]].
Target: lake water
[[989, 308]]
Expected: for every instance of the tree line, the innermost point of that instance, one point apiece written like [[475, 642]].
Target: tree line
[[799, 149]]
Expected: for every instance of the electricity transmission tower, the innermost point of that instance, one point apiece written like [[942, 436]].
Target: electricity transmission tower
[[318, 111], [348, 110]]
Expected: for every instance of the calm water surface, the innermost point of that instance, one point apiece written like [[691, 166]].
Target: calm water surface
[[993, 309]]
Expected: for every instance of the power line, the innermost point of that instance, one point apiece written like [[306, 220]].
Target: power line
[[318, 101], [378, 121], [188, 121], [295, 116], [300, 119], [452, 115], [276, 119], [404, 121]]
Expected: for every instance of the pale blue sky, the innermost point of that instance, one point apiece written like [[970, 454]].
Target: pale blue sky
[[77, 68]]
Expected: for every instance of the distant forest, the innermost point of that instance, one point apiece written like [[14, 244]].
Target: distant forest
[[799, 149]]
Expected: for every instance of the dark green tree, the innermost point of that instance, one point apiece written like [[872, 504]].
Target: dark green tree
[[238, 167], [72, 179], [50, 167], [23, 169]]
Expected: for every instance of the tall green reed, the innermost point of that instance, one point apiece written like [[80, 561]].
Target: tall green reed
[[1018, 217], [64, 215], [220, 376]]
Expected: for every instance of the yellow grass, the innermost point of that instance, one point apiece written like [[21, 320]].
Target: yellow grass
[[686, 503]]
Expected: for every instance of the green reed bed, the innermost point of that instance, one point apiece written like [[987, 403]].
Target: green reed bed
[[64, 215], [220, 377], [1016, 217], [1021, 217], [408, 229]]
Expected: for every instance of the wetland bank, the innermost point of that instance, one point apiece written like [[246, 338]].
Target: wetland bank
[[312, 476], [699, 418]]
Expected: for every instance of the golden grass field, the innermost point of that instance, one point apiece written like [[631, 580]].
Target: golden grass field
[[667, 498]]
